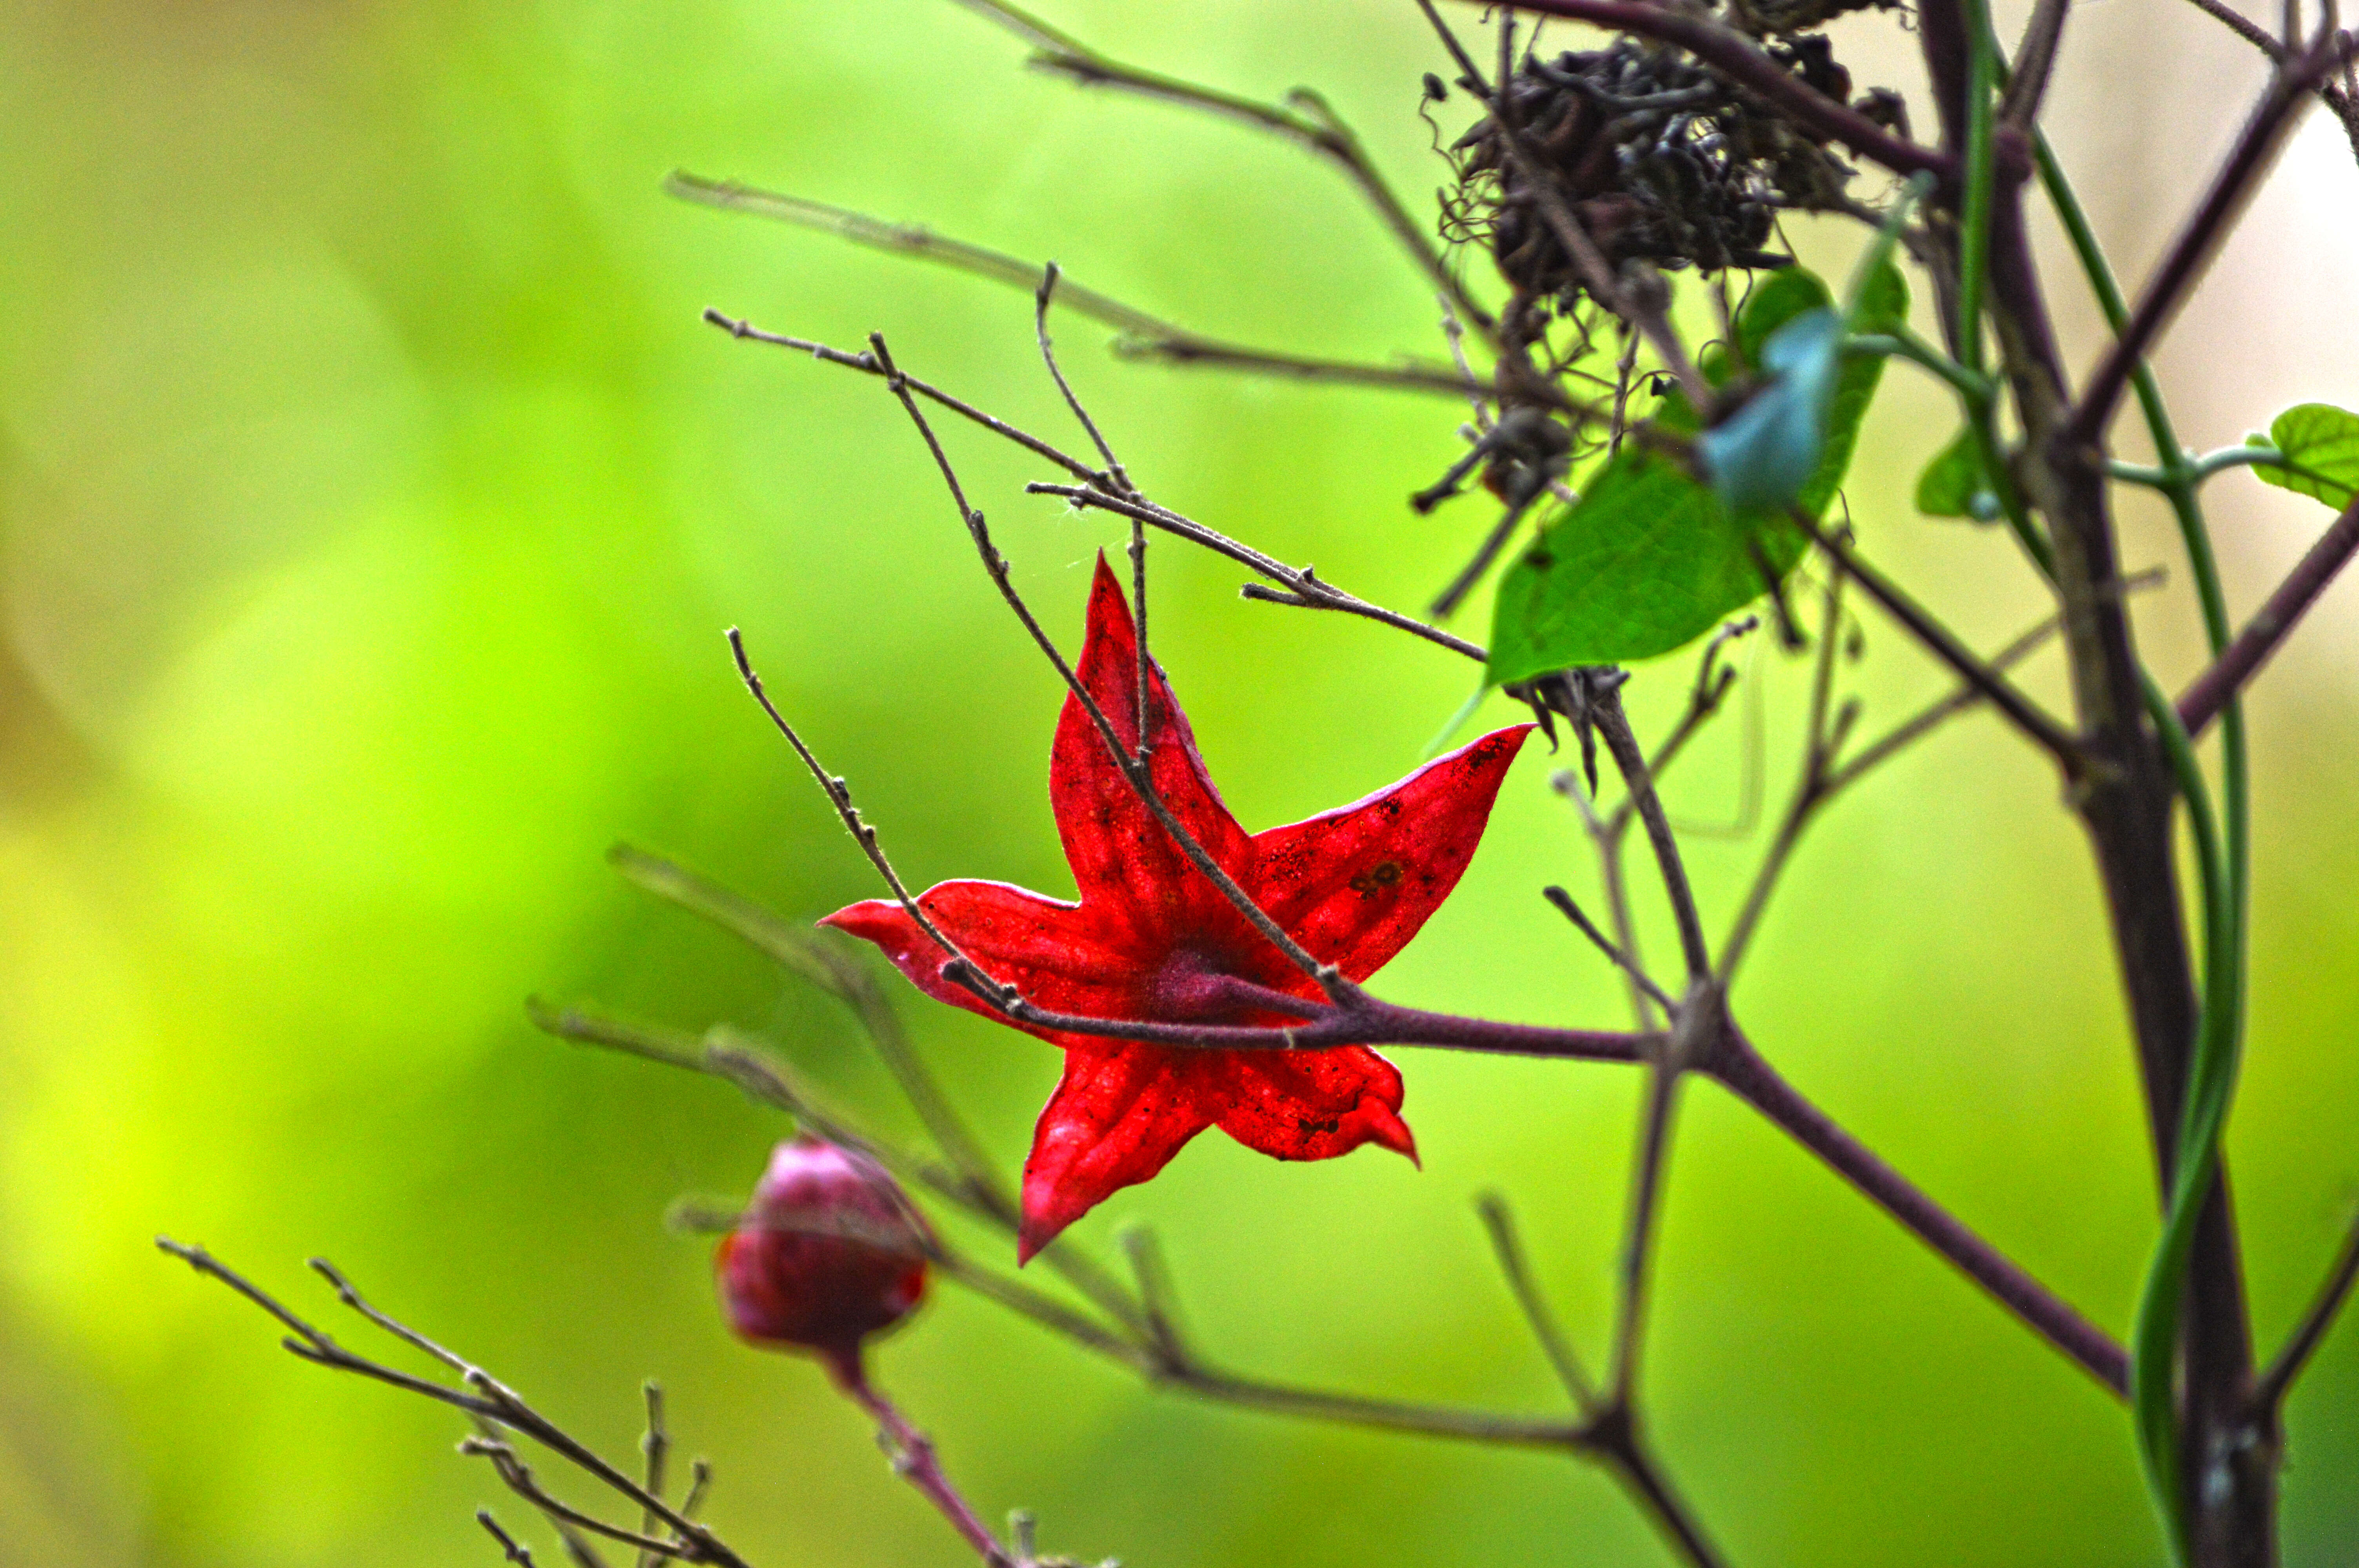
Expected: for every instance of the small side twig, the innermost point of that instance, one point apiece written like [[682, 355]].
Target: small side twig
[[490, 1402], [655, 1444], [1613, 726], [2242, 659], [1302, 588], [915, 1461], [1499, 1223], [1307, 119], [2269, 1388], [2256, 147], [1145, 335], [1943, 644], [516, 1551], [1605, 945]]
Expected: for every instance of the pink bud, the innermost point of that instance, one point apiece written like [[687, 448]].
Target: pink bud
[[828, 1253]]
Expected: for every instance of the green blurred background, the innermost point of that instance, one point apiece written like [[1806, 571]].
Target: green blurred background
[[372, 502]]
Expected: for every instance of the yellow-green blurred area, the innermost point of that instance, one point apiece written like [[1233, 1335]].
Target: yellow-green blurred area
[[373, 501]]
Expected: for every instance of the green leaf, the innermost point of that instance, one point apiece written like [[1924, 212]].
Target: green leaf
[[1647, 561], [2321, 445], [1650, 558], [1956, 484], [1791, 293]]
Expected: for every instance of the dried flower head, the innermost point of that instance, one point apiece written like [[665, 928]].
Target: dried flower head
[[1656, 157]]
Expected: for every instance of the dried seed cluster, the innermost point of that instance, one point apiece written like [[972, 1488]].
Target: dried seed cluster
[[1658, 159]]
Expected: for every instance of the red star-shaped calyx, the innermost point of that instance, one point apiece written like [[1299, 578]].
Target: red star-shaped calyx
[[1153, 940]]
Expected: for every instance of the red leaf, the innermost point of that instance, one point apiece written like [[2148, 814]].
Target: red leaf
[[1119, 1114], [1354, 884], [1150, 930], [1119, 852]]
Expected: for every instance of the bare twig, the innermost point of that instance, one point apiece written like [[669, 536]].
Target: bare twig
[[1447, 601], [1740, 1068], [656, 1446], [1307, 119], [516, 1552], [568, 1521], [1967, 696], [481, 1396], [2269, 1388], [2242, 659], [1613, 726], [2340, 100], [1148, 337], [2035, 60], [1605, 943], [840, 794], [1943, 644], [1302, 588], [2256, 147], [1121, 482], [1500, 1224], [866, 364], [1820, 742], [914, 1460]]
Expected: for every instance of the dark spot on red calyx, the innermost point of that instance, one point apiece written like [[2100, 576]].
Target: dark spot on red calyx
[[1378, 878]]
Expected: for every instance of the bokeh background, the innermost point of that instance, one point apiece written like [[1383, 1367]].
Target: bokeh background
[[371, 503]]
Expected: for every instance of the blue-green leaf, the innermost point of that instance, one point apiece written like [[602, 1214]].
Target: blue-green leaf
[[1762, 455]]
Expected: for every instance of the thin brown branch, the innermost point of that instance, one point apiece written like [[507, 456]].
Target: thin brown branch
[[2339, 100], [2271, 624], [516, 1551], [1605, 945], [1499, 1223], [840, 794], [655, 1447], [1613, 726], [517, 1477], [915, 1461], [2035, 61], [1307, 119], [2269, 1388], [867, 365], [1740, 1069], [1121, 482], [1643, 1478], [1943, 644], [1447, 601], [1302, 587], [2256, 148], [484, 1396], [1821, 742]]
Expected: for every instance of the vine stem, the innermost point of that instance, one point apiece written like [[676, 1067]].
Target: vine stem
[[2226, 881]]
